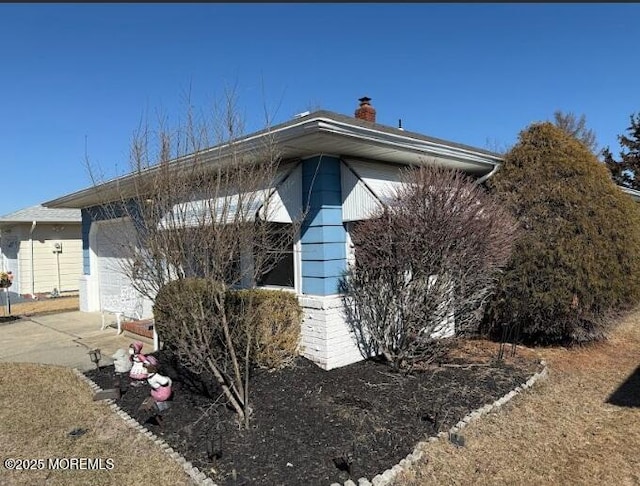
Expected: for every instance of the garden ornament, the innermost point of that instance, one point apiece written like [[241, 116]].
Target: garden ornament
[[160, 389], [138, 371], [121, 361], [160, 384]]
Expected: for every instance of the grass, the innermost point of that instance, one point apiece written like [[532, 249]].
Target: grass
[[44, 306], [40, 405], [561, 432]]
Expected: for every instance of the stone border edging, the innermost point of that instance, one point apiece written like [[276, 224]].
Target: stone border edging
[[383, 479], [388, 476], [199, 478]]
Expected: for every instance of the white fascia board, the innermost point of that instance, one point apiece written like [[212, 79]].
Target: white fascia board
[[403, 142], [115, 185]]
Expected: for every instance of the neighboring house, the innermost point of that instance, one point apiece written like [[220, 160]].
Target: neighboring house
[[43, 249], [340, 168], [635, 195]]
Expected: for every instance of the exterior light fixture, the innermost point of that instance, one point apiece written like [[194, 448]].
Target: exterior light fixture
[[95, 357]]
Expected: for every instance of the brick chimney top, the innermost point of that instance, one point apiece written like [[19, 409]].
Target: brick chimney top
[[365, 111]]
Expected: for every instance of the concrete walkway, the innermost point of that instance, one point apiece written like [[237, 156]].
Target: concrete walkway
[[60, 339]]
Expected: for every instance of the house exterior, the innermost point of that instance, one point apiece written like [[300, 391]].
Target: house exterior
[[336, 170], [42, 247], [633, 193]]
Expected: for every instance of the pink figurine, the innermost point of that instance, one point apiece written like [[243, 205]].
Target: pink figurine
[[160, 384], [138, 371], [160, 389]]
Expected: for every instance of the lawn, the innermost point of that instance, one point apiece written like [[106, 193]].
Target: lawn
[[579, 427], [40, 405], [43, 306]]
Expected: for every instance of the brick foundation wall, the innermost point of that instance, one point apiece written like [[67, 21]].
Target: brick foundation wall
[[326, 337]]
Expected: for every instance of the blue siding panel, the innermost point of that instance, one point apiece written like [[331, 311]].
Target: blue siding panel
[[323, 252], [320, 286], [324, 269], [326, 216], [323, 236], [321, 164], [321, 198], [321, 178]]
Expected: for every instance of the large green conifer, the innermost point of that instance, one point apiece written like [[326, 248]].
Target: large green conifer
[[626, 171], [578, 256]]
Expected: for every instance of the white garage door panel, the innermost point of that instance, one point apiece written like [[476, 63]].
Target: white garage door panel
[[117, 294]]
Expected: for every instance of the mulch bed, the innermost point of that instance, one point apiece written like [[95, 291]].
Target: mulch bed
[[309, 424]]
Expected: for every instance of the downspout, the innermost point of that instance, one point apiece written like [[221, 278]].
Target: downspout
[[489, 175], [33, 277]]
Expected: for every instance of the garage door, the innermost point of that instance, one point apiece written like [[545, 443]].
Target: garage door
[[113, 246]]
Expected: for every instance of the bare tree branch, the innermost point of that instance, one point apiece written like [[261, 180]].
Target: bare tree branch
[[193, 217]]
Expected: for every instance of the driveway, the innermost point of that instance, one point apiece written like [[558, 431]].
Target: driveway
[[62, 339]]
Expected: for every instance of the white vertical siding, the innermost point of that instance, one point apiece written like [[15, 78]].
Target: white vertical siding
[[364, 185]]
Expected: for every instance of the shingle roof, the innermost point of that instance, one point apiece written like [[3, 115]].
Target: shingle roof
[[389, 129], [42, 215]]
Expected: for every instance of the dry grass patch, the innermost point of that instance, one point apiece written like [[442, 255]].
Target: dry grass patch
[[45, 306], [40, 405], [561, 432]]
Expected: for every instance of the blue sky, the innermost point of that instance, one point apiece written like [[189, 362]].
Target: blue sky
[[470, 73]]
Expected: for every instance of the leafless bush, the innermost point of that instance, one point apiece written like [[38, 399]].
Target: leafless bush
[[428, 260], [204, 212]]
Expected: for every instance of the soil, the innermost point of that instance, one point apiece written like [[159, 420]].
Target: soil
[[316, 427]]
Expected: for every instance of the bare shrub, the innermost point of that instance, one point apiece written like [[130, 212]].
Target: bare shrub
[[576, 128], [199, 200], [428, 260]]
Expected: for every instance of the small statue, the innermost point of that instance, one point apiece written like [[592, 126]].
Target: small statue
[[160, 389], [138, 371], [121, 361]]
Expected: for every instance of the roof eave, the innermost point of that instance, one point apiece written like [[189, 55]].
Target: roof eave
[[324, 123]]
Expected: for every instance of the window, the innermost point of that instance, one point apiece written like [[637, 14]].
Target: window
[[351, 255], [279, 260]]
